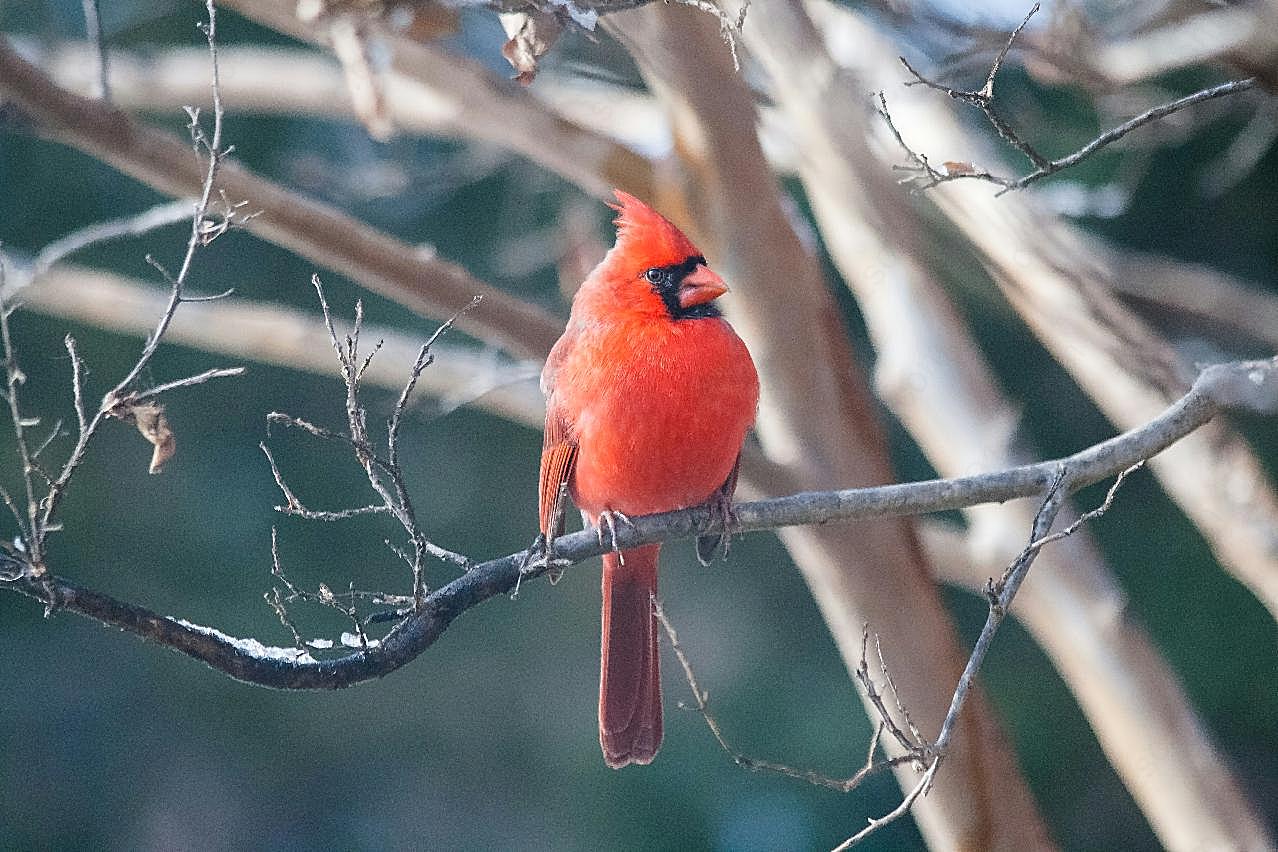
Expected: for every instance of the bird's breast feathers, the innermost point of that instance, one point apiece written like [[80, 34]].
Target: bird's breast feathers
[[659, 411]]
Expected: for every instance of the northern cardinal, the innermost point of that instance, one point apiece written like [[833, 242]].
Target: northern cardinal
[[649, 394]]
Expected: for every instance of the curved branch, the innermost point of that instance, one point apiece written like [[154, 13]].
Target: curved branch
[[1251, 385]]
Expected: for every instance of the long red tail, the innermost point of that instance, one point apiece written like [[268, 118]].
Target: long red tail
[[630, 673]]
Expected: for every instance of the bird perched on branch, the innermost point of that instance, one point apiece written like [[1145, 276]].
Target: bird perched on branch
[[649, 394]]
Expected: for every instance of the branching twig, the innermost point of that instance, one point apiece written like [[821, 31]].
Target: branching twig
[[293, 506], [324, 596], [384, 475], [912, 743], [922, 175], [189, 381], [983, 98]]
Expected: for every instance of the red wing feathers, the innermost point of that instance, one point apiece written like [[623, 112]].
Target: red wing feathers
[[558, 455]]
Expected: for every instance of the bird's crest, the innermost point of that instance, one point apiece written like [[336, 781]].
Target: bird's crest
[[640, 228]]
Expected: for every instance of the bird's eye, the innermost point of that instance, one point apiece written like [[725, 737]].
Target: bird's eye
[[654, 275]]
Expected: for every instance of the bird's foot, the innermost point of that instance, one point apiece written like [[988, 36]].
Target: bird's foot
[[609, 518], [720, 507], [538, 559]]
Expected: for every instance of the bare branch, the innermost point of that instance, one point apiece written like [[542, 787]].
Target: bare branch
[[54, 433], [1000, 595], [913, 743], [984, 97], [136, 225], [294, 506], [1243, 385], [77, 386], [119, 401]]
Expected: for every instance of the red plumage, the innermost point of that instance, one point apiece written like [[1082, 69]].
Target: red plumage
[[649, 397]]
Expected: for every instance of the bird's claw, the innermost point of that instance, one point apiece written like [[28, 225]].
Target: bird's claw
[[538, 559], [609, 518], [541, 556], [721, 511]]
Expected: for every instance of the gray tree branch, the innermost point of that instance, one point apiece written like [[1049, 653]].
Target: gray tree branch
[[1251, 386]]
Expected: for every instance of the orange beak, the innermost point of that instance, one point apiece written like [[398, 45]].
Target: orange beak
[[699, 286]]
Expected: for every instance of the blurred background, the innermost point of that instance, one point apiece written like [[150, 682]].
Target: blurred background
[[489, 740]]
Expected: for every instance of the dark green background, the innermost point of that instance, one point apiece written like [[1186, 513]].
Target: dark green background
[[489, 740]]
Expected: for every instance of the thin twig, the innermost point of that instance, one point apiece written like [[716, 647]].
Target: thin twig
[[983, 98], [1086, 517], [923, 785], [274, 599], [324, 597], [189, 381], [14, 379], [1000, 596], [168, 213], [293, 506], [77, 386], [325, 434], [896, 696], [212, 148], [385, 476], [15, 511], [912, 745], [54, 433], [1149, 115], [702, 706]]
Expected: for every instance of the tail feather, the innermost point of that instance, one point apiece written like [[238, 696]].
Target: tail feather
[[630, 673]]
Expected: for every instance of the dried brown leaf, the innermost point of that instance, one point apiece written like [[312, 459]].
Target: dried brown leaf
[[153, 425]]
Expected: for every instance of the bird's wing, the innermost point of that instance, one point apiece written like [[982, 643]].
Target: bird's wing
[[559, 445], [558, 354], [558, 455]]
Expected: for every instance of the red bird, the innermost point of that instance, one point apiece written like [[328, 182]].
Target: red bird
[[649, 394]]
